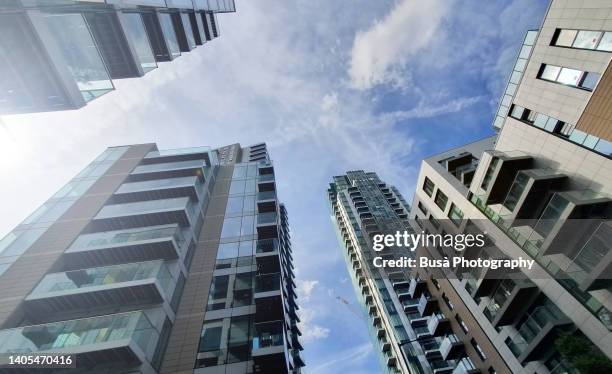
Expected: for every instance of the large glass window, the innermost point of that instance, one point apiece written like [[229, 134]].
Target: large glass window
[[135, 31], [210, 339], [234, 205], [237, 187], [231, 227], [169, 35], [586, 39], [227, 250], [583, 39], [570, 77], [80, 54]]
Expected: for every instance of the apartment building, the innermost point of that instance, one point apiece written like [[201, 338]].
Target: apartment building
[[62, 54], [156, 261], [409, 330], [541, 188]]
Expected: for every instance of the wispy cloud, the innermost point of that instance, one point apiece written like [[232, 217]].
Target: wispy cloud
[[380, 53], [423, 110], [346, 358]]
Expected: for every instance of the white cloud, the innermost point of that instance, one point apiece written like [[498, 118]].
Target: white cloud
[[305, 288], [380, 53], [311, 331]]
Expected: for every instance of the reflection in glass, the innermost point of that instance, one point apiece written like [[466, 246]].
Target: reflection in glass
[[80, 53], [134, 29], [169, 35]]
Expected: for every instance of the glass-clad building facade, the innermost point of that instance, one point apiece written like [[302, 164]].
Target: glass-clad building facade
[[154, 261], [61, 54]]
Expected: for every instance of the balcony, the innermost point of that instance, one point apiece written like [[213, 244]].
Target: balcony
[[466, 366], [177, 154], [511, 299], [267, 225], [591, 268], [537, 333], [267, 285], [168, 170], [144, 213], [126, 339], [117, 285], [266, 201], [527, 195], [500, 174], [438, 325], [568, 217], [158, 189], [124, 246], [427, 305], [269, 306], [417, 286], [451, 347], [269, 348]]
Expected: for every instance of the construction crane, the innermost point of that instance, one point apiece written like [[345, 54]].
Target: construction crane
[[355, 310]]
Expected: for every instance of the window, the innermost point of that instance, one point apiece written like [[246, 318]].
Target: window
[[479, 350], [441, 200], [455, 214], [428, 187], [210, 338], [489, 174], [448, 302], [569, 77], [583, 39], [227, 250], [422, 208], [231, 227], [462, 324], [434, 222]]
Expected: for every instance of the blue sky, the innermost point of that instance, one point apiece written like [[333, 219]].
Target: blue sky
[[330, 86]]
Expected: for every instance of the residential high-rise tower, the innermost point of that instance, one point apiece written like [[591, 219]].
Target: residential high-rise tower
[[156, 261]]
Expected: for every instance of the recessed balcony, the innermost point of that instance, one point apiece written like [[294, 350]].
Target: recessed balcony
[[144, 213], [537, 333], [267, 225], [158, 189], [123, 246], [427, 305], [119, 285], [417, 286], [119, 340], [466, 366], [168, 170], [500, 174], [269, 348], [451, 347], [438, 324], [266, 201]]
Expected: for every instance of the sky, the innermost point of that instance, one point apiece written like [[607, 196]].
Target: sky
[[330, 86]]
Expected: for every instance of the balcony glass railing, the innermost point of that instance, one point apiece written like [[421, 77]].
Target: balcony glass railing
[[267, 245], [104, 276], [532, 326], [465, 366], [530, 242], [157, 184], [177, 152], [266, 218], [266, 195], [267, 334], [143, 207], [166, 166], [266, 177], [596, 248], [267, 282], [86, 334], [126, 237]]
